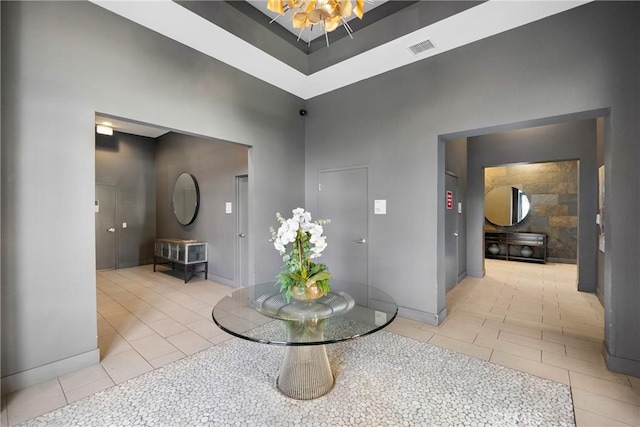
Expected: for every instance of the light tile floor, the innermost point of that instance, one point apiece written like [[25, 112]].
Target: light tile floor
[[527, 317]]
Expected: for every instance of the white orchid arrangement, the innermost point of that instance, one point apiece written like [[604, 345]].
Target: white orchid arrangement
[[307, 243]]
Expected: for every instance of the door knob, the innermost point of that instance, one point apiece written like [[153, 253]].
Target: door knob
[[455, 233], [111, 230], [361, 241], [242, 235]]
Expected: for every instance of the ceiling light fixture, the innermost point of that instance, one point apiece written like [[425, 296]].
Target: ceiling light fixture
[[104, 130], [328, 13]]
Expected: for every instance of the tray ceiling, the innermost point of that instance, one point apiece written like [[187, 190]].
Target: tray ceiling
[[223, 30]]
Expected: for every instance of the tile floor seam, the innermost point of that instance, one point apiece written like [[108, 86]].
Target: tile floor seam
[[619, 423], [625, 384], [637, 404], [618, 415], [66, 399]]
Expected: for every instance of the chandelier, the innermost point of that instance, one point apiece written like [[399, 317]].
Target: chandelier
[[327, 13]]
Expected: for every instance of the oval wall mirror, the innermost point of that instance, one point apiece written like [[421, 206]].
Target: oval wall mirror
[[186, 199], [506, 206]]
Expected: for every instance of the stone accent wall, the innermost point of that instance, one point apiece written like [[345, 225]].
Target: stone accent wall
[[552, 189]]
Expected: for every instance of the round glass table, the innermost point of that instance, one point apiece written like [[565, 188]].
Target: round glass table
[[260, 313]]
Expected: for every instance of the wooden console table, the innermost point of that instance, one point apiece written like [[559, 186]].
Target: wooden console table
[[531, 247], [188, 253]]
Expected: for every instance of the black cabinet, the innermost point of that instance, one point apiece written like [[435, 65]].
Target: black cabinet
[[188, 253], [531, 247]]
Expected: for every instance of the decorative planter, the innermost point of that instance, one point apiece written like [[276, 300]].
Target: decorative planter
[[306, 293], [526, 251], [493, 249]]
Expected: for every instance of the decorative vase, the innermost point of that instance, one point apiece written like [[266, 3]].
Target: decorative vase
[[526, 251], [309, 292], [493, 249]]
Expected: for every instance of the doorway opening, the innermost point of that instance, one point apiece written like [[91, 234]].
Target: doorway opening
[[137, 168], [567, 138], [143, 164]]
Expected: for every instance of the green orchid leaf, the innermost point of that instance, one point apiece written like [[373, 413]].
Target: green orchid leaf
[[323, 275]]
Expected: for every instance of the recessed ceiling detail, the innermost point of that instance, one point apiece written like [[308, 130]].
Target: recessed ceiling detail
[[475, 23]]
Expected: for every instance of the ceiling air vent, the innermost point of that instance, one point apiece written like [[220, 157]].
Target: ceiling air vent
[[422, 47]]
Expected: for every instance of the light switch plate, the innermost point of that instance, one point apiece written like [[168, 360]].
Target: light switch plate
[[227, 208]]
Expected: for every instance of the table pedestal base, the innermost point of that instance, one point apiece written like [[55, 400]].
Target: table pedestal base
[[305, 373]]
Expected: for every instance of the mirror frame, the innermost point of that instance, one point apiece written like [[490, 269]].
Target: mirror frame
[[186, 219], [511, 189]]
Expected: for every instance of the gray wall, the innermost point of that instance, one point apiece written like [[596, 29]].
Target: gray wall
[[397, 123], [566, 141], [214, 164], [1, 175], [128, 162], [62, 63]]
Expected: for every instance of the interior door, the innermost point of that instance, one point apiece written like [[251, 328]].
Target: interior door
[[343, 199], [105, 210], [451, 231], [242, 204]]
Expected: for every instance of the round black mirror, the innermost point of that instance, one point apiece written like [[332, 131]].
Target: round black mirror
[[186, 199], [506, 206]]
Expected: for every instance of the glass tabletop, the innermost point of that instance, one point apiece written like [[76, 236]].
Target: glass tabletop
[[260, 313]]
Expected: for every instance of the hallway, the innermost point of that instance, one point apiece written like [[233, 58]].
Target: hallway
[[529, 317]]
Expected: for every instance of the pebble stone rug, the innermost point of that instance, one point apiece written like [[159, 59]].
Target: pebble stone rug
[[383, 379]]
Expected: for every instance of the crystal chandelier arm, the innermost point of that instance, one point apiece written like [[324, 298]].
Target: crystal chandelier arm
[[347, 27]]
